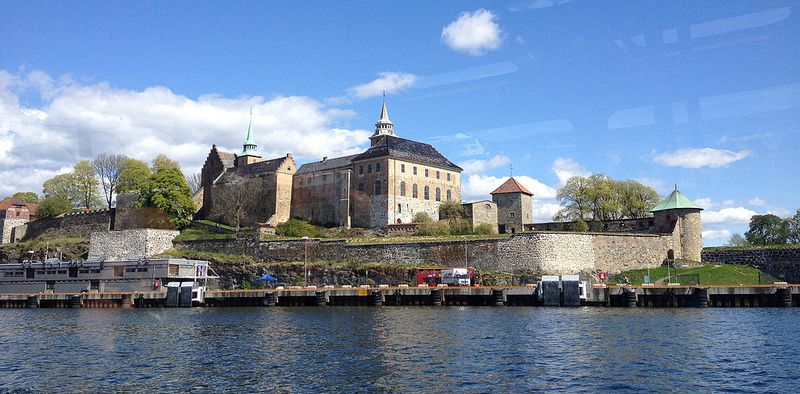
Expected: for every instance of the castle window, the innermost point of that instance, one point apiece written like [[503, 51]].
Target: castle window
[[377, 167], [487, 207], [511, 214], [402, 168], [448, 177], [338, 175], [309, 180], [437, 174], [414, 192], [361, 187], [449, 195], [426, 172], [438, 194], [369, 168], [377, 187], [301, 181], [403, 189], [415, 170], [427, 192], [324, 178], [399, 208], [360, 170]]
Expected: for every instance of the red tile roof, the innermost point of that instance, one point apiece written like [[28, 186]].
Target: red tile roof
[[511, 186]]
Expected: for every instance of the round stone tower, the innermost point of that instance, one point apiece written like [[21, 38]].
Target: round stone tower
[[679, 216]]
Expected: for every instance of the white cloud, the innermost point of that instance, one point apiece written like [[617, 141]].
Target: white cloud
[[727, 216], [80, 121], [657, 184], [705, 203], [757, 201], [543, 211], [481, 166], [389, 82], [567, 168], [724, 234], [700, 157], [473, 32], [478, 187]]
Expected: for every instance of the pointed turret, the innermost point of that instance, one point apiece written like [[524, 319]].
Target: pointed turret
[[384, 126], [679, 216], [249, 154]]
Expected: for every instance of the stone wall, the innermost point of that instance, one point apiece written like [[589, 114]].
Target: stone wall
[[79, 224], [130, 244], [7, 234], [782, 263], [554, 253], [482, 212]]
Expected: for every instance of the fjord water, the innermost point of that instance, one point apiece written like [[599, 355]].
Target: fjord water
[[404, 349]]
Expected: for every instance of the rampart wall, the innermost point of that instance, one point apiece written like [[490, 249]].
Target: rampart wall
[[130, 244], [555, 253], [782, 263], [79, 224]]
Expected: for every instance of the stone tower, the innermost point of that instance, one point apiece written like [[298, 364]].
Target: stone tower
[[679, 216], [514, 206], [249, 154]]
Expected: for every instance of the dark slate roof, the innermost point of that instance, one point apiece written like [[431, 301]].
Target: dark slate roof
[[227, 159], [511, 186], [404, 149], [324, 165], [255, 168]]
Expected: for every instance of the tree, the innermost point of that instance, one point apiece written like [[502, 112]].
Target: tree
[[421, 217], [53, 206], [766, 230], [168, 191], [195, 181], [163, 161], [27, 197], [573, 196], [737, 239], [793, 229], [133, 176], [636, 199], [108, 168], [61, 186], [85, 181], [598, 197], [451, 209]]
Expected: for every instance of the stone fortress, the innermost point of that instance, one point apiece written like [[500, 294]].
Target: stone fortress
[[384, 187]]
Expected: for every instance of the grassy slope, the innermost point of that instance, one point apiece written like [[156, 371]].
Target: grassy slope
[[710, 274]]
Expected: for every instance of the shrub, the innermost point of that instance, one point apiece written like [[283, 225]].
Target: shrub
[[484, 229], [433, 228], [298, 228], [578, 226], [421, 217], [451, 209], [459, 226]]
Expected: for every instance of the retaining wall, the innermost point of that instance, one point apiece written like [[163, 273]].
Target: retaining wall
[[130, 244], [79, 224], [782, 263]]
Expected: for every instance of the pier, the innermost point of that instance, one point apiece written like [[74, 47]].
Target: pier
[[551, 294]]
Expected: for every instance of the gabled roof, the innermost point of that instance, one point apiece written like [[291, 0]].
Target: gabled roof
[[402, 148], [8, 202], [511, 186], [324, 165], [675, 200]]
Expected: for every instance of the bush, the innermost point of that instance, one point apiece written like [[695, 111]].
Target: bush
[[459, 226], [298, 228], [421, 217], [578, 226], [451, 209], [433, 228], [484, 229]]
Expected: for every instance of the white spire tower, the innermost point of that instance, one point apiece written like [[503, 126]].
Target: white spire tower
[[384, 126]]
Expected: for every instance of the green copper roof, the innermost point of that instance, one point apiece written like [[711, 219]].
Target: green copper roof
[[249, 147], [676, 200]]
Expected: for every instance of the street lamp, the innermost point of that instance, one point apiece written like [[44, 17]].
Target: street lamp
[[305, 261], [465, 252]]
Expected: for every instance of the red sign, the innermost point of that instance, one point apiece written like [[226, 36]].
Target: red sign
[[602, 275]]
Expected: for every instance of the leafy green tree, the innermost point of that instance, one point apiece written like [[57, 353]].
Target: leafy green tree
[[421, 217], [636, 199], [61, 186], [737, 239], [298, 228], [459, 226], [108, 169], [133, 176], [484, 229], [578, 226], [168, 191], [163, 161], [85, 180], [53, 206], [27, 197], [766, 230], [574, 199], [451, 209], [598, 197], [793, 229]]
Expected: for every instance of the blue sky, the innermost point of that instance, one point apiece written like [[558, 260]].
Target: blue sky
[[705, 95]]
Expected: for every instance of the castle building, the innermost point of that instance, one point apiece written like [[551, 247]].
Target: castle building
[[386, 184], [14, 212], [679, 216], [245, 189], [514, 206]]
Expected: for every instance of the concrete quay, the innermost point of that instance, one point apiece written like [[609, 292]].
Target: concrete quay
[[776, 295]]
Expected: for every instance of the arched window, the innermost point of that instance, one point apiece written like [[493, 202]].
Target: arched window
[[438, 194], [377, 187], [427, 193], [361, 187], [449, 195], [414, 192], [403, 189]]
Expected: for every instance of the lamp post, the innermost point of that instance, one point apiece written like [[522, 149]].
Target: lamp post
[[465, 252], [305, 261]]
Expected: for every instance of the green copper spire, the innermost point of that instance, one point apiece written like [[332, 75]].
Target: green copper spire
[[249, 147], [676, 200]]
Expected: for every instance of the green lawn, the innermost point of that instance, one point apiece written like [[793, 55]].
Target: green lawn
[[709, 274], [193, 234]]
